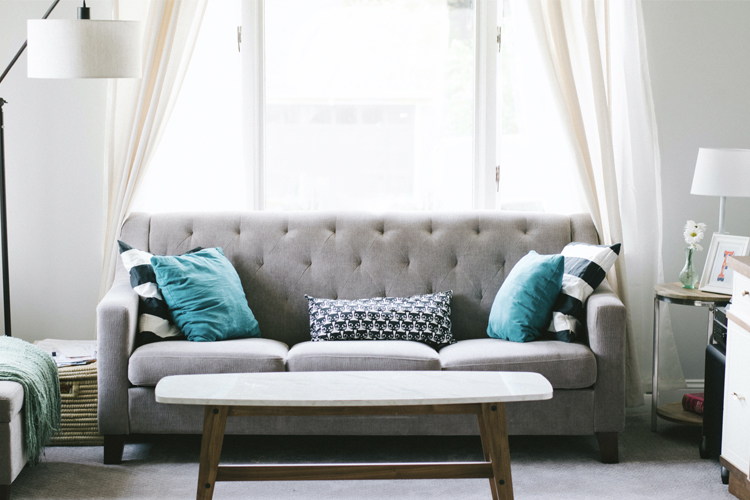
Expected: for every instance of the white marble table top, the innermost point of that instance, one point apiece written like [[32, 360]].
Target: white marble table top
[[361, 388]]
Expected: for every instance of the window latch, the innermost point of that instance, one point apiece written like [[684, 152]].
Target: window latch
[[499, 37], [239, 38], [497, 178]]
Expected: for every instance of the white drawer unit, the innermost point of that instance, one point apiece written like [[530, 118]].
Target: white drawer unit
[[735, 438], [735, 442], [741, 297]]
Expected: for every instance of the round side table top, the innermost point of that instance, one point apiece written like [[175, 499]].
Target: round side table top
[[675, 291], [674, 413]]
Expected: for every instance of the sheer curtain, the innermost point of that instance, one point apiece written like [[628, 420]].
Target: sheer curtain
[[138, 110], [594, 58]]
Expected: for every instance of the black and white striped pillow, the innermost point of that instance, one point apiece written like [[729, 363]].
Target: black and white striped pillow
[[155, 321], [586, 267]]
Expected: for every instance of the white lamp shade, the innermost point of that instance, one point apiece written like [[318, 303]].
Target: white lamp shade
[[83, 48], [722, 172]]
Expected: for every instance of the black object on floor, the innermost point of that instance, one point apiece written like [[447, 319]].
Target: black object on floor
[[714, 401]]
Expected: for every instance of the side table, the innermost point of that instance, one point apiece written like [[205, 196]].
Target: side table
[[673, 293]]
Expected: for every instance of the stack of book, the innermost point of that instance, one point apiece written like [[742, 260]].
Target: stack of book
[[69, 352], [693, 403]]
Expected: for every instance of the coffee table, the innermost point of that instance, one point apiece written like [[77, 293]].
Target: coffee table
[[356, 393]]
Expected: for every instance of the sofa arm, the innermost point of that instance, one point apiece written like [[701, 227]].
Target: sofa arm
[[606, 321], [116, 322]]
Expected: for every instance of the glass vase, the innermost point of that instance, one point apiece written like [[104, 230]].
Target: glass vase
[[689, 276]]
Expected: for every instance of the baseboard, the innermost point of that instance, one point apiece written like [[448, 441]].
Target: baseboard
[[691, 385], [695, 384]]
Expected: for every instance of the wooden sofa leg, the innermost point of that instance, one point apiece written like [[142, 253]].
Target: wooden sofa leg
[[4, 492], [114, 444], [608, 447]]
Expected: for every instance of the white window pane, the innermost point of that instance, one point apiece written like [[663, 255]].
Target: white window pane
[[537, 160], [369, 104], [198, 164]]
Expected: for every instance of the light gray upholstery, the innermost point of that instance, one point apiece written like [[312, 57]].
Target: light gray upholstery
[[116, 321], [152, 362], [568, 413], [606, 318], [281, 256], [566, 366], [11, 400], [362, 355]]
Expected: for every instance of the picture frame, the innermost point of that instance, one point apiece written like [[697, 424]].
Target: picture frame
[[717, 277]]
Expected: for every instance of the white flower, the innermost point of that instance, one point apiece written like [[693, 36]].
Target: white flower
[[694, 233]]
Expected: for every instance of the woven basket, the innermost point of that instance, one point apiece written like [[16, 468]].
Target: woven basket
[[78, 389]]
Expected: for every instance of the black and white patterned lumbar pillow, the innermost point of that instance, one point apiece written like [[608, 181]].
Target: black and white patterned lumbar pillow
[[422, 318], [155, 321], [586, 267]]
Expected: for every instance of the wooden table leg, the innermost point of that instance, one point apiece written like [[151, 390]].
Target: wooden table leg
[[486, 449], [496, 434], [214, 423]]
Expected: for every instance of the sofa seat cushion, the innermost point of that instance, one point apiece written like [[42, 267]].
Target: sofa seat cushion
[[565, 365], [152, 362], [11, 400], [362, 355]]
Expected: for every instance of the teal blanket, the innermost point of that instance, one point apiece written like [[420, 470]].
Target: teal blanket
[[36, 371]]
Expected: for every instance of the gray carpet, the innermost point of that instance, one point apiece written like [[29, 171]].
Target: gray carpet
[[665, 465]]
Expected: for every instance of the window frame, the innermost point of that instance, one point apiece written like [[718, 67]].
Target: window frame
[[486, 104]]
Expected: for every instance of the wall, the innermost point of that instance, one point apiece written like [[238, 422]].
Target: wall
[[698, 55], [54, 140]]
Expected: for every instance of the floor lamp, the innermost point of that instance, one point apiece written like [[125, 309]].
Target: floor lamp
[[60, 48]]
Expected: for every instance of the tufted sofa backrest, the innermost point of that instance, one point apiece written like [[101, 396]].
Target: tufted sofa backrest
[[281, 256]]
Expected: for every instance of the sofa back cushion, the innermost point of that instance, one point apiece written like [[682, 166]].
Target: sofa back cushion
[[281, 256]]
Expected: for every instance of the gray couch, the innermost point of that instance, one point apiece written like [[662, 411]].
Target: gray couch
[[280, 257]]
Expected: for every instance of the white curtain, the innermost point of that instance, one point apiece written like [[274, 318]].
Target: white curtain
[[594, 55], [138, 110]]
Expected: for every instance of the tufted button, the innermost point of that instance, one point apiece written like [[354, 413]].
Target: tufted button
[[358, 261]]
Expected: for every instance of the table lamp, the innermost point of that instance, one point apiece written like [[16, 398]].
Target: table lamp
[[722, 173], [59, 48]]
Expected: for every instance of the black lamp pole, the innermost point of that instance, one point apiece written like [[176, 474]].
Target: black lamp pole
[[3, 208]]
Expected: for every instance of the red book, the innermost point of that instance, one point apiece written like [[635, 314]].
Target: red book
[[693, 403]]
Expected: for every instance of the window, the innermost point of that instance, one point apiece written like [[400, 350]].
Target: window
[[198, 165], [369, 104], [537, 164], [361, 105]]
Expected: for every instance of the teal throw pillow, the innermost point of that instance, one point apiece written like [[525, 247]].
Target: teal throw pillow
[[522, 308], [205, 296]]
